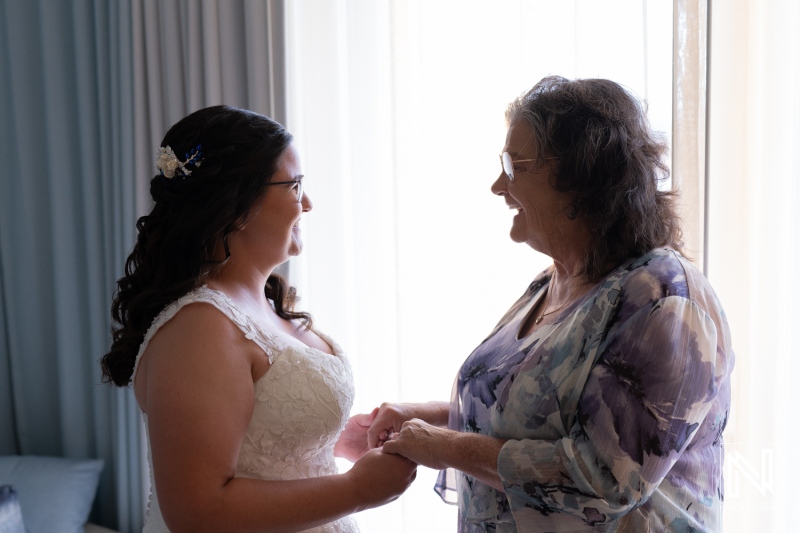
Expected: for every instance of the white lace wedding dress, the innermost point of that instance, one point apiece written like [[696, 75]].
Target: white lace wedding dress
[[301, 406]]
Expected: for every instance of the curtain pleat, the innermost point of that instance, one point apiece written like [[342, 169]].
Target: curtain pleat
[[689, 121]]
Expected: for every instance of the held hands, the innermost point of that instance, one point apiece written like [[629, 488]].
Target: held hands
[[363, 432], [389, 420], [400, 430], [417, 432]]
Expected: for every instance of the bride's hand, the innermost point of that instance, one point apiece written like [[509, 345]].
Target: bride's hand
[[352, 443], [380, 478]]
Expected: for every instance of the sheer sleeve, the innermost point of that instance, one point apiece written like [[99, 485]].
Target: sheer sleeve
[[651, 388]]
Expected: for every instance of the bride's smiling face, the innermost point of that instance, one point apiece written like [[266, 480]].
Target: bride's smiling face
[[272, 229]]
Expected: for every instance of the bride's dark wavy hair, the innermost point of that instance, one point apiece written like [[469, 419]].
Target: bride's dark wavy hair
[[179, 241]]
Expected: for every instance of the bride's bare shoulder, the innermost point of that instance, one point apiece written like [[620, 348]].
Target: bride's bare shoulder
[[200, 342]]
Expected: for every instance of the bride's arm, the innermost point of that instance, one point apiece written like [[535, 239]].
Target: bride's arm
[[198, 395]]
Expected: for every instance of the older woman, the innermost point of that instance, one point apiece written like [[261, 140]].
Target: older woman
[[598, 401]]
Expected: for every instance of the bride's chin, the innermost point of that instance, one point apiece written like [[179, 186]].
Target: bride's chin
[[296, 245], [296, 248]]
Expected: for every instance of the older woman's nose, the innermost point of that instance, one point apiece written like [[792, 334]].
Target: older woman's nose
[[500, 184]]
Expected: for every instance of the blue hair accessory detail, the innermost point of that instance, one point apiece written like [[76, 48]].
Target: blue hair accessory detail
[[169, 165]]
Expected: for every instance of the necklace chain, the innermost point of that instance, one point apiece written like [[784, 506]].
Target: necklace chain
[[541, 316], [572, 296]]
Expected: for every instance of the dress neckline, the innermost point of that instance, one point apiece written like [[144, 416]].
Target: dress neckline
[[524, 315], [285, 337]]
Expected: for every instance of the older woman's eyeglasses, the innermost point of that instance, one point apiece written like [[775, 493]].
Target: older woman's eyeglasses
[[298, 186], [508, 163]]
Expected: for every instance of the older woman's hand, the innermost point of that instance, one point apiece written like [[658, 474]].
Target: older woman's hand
[[421, 443], [439, 448]]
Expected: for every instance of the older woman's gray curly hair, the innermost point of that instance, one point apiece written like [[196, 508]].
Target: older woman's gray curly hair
[[609, 162]]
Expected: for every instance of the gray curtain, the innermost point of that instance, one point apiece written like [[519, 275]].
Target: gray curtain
[[87, 90], [66, 206]]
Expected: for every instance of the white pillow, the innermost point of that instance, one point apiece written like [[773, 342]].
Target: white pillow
[[55, 494]]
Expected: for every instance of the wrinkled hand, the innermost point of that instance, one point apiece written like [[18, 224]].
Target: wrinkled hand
[[388, 421], [352, 443], [422, 443], [381, 477]]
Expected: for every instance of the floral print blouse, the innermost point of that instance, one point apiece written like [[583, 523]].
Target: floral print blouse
[[613, 414]]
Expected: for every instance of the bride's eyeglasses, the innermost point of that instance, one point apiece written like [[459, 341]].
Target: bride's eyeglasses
[[298, 186]]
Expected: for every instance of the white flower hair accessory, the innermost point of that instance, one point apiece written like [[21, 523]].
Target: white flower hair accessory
[[169, 164]]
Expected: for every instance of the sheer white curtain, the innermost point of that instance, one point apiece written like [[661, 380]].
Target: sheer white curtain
[[689, 109], [398, 112], [753, 243]]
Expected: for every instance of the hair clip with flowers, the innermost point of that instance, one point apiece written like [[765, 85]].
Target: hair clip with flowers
[[168, 163]]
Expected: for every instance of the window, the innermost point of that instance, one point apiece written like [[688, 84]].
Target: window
[[398, 111]]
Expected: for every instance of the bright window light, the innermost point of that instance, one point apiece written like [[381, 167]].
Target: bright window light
[[398, 113]]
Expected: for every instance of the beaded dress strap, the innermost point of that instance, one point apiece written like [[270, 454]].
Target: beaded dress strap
[[221, 301]]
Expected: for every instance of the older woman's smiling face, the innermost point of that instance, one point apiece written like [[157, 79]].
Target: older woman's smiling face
[[540, 209]]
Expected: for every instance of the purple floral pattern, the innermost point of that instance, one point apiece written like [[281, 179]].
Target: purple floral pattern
[[613, 415]]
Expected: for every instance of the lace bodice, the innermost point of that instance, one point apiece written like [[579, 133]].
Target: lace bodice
[[301, 406]]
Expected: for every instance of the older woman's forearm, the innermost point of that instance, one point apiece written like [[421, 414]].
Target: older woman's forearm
[[435, 413], [475, 455]]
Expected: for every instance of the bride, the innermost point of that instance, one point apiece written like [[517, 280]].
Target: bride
[[243, 401]]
